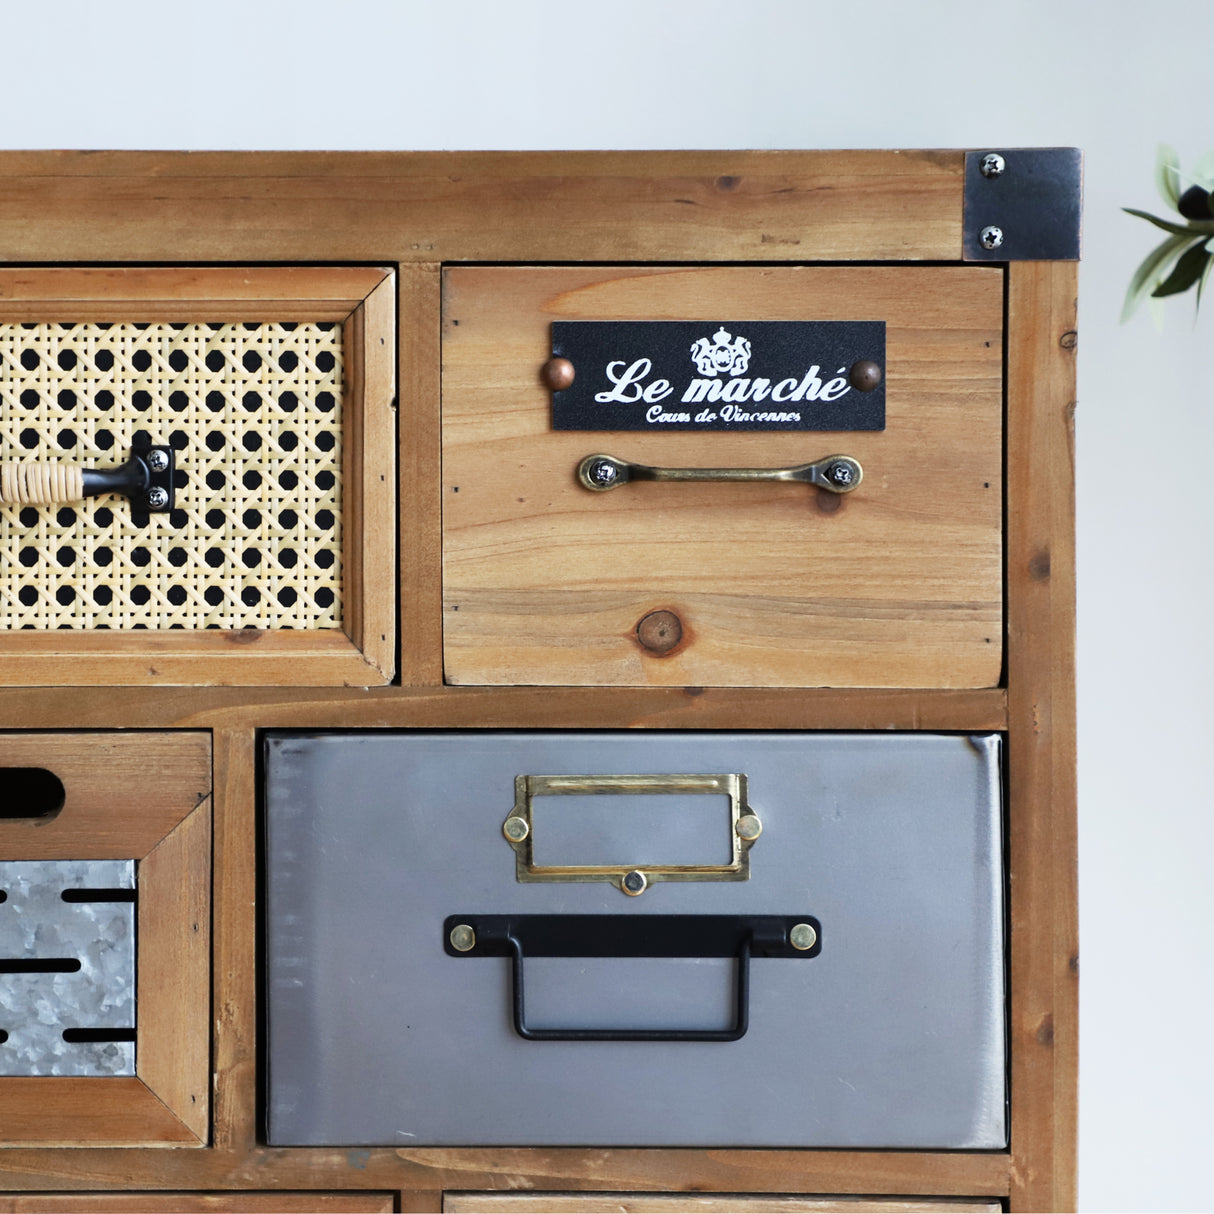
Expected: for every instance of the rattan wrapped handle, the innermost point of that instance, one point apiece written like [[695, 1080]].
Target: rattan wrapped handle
[[146, 479], [39, 484]]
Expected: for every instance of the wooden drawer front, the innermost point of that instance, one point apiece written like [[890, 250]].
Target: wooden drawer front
[[237, 1202], [122, 796], [898, 584], [706, 1203], [254, 384]]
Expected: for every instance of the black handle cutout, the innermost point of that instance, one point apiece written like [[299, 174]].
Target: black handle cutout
[[30, 792]]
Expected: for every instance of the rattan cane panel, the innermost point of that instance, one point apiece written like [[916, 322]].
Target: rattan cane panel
[[253, 411]]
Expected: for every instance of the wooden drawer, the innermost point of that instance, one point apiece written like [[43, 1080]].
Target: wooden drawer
[[706, 1203], [897, 584], [141, 797], [268, 393], [238, 1202]]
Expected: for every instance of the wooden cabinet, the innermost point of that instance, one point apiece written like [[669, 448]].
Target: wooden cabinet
[[482, 587]]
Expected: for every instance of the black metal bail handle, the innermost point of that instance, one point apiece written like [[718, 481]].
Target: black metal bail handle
[[146, 479], [737, 936]]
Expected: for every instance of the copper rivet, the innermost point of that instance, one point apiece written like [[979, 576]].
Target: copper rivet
[[558, 374], [865, 375], [660, 631]]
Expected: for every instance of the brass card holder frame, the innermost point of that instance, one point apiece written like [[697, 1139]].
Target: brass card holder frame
[[745, 828]]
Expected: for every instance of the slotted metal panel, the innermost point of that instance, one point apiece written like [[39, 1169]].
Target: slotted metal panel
[[67, 967]]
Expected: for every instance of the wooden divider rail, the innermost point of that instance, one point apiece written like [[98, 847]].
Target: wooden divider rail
[[461, 601]]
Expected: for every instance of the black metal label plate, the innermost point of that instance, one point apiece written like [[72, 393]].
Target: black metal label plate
[[718, 375]]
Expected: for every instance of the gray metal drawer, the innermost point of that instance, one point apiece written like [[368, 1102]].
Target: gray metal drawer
[[386, 1028]]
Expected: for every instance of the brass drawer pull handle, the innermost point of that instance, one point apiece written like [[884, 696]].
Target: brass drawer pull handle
[[834, 473], [744, 829], [146, 479]]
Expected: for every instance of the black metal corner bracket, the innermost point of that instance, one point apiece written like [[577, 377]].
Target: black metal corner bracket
[[1022, 204]]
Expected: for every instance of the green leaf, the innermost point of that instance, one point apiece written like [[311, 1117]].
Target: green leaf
[[1205, 274], [1188, 270], [1195, 227], [1150, 271], [1167, 224], [1167, 174]]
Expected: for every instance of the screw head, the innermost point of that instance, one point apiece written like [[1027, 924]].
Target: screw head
[[516, 829], [158, 498], [463, 938], [992, 165], [603, 472], [158, 460], [990, 237], [840, 473], [634, 883], [802, 936]]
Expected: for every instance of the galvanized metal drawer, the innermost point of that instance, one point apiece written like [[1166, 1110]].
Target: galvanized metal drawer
[[838, 898], [896, 582]]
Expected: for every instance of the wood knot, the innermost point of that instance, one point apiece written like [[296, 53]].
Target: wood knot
[[1045, 1031], [1069, 340], [728, 183], [244, 636], [1039, 566], [659, 632]]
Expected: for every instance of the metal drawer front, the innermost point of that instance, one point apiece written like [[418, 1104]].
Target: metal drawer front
[[386, 1027]]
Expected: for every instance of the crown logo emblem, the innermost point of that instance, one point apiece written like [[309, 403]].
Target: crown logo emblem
[[721, 355]]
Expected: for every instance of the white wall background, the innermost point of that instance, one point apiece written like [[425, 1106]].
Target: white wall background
[[1114, 79]]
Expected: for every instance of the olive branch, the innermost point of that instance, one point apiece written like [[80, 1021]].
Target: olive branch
[[1185, 258]]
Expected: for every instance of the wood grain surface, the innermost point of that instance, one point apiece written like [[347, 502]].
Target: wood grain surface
[[1043, 847], [173, 1047], [898, 584], [123, 793], [687, 1203], [480, 206], [198, 1203]]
